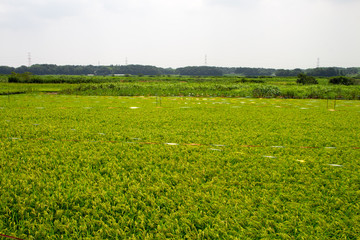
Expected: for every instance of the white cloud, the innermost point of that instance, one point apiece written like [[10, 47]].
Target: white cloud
[[22, 14]]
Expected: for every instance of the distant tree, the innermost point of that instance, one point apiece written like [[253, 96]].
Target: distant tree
[[167, 71], [227, 70], [199, 71], [6, 70], [255, 72], [136, 70], [342, 80], [46, 69], [305, 79], [288, 73], [22, 69], [103, 70], [351, 71], [323, 72], [20, 77]]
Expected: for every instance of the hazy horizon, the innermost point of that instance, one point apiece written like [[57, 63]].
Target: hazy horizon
[[177, 67], [279, 34]]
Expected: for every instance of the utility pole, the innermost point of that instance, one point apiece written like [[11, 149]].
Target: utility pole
[[205, 59], [29, 59], [318, 63]]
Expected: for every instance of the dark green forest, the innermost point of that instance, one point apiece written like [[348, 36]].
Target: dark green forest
[[52, 69]]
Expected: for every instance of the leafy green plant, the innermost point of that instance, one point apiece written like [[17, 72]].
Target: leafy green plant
[[305, 79], [266, 91], [109, 167], [342, 80], [244, 80], [20, 77]]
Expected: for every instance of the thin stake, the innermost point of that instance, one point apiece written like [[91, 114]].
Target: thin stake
[[158, 101], [327, 103]]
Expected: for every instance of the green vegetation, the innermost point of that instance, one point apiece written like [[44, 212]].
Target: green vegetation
[[305, 79], [189, 165], [20, 88], [200, 71], [166, 85], [52, 69], [342, 80], [22, 78], [214, 89], [266, 91], [106, 167], [71, 79], [4, 78]]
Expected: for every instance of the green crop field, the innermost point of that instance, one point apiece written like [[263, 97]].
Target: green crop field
[[106, 167], [172, 85]]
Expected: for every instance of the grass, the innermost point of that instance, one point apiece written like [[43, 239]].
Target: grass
[[222, 168], [226, 86], [215, 89], [13, 88]]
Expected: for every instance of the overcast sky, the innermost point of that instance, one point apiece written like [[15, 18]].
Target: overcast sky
[[175, 33]]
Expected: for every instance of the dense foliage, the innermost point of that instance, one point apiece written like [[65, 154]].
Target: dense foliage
[[25, 77], [215, 87], [75, 167], [227, 86], [324, 72], [288, 73], [342, 80], [305, 79], [52, 69], [199, 71], [48, 69], [254, 71]]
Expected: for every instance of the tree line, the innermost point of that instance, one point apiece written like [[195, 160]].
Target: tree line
[[52, 69]]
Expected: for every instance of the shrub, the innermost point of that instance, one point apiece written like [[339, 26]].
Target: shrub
[[266, 91], [26, 77], [305, 79], [244, 80], [13, 79], [342, 80], [19, 77], [289, 93]]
